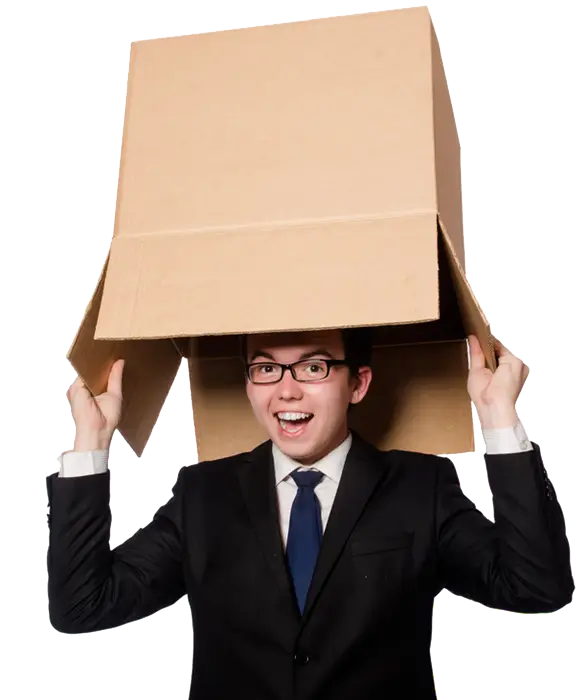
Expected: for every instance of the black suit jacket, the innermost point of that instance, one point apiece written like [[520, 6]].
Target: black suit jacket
[[399, 532]]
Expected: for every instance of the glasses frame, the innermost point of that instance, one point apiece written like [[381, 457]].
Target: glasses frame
[[292, 368]]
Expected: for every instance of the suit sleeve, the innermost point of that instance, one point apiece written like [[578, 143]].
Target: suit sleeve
[[92, 587], [519, 562]]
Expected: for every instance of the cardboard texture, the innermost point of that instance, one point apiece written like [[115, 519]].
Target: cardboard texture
[[264, 169]]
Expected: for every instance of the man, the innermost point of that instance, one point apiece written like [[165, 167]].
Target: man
[[311, 563]]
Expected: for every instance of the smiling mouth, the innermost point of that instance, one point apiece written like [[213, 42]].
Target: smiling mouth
[[293, 423]]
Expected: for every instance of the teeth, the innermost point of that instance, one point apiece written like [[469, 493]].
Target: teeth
[[290, 415]]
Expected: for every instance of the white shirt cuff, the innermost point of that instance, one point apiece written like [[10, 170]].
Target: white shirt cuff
[[83, 463], [506, 440]]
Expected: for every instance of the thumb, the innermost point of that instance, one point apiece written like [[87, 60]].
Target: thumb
[[477, 359], [115, 379]]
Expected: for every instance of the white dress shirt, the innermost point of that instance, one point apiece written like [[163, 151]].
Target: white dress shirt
[[498, 441], [332, 468]]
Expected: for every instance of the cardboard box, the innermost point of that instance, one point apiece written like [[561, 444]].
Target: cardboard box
[[295, 176]]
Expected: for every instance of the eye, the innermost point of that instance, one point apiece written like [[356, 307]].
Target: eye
[[315, 368]]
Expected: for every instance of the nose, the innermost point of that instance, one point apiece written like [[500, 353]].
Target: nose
[[288, 387]]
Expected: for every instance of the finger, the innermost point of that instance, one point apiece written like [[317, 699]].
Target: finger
[[115, 379], [502, 352], [477, 360], [506, 355], [75, 387]]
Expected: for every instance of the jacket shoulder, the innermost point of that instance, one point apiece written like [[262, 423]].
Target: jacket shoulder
[[411, 458], [215, 466], [420, 468]]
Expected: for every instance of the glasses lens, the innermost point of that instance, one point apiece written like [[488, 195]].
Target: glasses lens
[[264, 373], [311, 370]]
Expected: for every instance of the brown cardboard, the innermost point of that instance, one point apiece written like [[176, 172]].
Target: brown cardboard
[[262, 170]]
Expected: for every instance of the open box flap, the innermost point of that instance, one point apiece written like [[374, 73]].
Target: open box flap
[[248, 280], [472, 315], [150, 369]]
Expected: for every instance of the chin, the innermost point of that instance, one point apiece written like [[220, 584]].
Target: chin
[[289, 446], [296, 449]]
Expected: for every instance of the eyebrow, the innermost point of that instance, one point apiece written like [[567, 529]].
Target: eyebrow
[[304, 356]]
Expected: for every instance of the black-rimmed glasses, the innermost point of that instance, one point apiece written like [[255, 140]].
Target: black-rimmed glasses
[[302, 371]]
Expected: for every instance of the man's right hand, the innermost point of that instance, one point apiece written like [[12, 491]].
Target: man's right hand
[[96, 417]]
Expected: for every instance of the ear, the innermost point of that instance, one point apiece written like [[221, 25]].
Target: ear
[[360, 384]]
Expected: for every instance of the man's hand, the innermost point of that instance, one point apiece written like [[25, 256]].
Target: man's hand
[[494, 394], [96, 418]]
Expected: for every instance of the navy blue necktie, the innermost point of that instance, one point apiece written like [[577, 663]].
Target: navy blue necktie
[[305, 533]]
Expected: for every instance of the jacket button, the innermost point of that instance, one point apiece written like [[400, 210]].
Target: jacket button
[[301, 658]]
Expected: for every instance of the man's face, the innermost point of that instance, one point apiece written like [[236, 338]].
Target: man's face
[[306, 439]]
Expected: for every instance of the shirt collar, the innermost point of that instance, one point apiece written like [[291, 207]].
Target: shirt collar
[[330, 465]]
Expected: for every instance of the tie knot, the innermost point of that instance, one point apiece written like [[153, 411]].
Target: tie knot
[[306, 479]]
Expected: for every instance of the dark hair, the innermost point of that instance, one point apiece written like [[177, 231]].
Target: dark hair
[[357, 345]]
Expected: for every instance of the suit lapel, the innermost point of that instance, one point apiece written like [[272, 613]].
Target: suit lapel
[[363, 471], [258, 485]]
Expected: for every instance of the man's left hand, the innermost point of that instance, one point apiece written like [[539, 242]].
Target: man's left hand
[[494, 394]]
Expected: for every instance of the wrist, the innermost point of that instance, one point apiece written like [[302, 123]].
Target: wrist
[[493, 417], [89, 442]]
